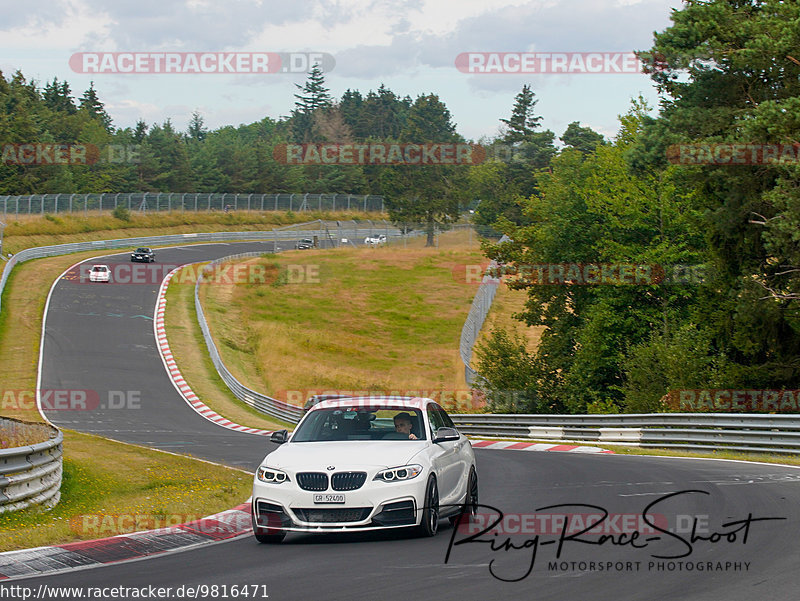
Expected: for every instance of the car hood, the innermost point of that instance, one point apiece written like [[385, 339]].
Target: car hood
[[315, 456]]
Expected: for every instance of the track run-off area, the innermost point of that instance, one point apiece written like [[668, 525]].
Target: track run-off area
[[713, 529]]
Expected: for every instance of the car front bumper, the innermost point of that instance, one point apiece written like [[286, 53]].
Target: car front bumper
[[375, 506]]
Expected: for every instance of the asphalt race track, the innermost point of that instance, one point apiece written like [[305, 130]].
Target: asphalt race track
[[100, 338]]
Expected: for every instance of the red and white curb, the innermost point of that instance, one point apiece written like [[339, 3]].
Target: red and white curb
[[175, 374], [124, 547], [510, 445]]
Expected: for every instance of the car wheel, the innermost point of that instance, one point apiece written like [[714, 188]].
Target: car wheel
[[274, 538], [430, 513], [470, 508]]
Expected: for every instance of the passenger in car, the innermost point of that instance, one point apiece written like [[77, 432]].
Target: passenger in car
[[402, 424]]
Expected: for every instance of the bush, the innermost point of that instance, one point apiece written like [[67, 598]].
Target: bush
[[122, 213], [509, 374], [684, 359]]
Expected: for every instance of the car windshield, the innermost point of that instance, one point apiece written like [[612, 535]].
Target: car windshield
[[142, 250], [99, 268], [360, 423]]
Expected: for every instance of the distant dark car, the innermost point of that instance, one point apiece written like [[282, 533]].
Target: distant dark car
[[304, 244], [144, 255]]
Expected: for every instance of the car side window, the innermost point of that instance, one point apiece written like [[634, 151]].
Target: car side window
[[445, 418], [435, 420]]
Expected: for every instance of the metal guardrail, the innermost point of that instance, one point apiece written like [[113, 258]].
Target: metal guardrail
[[474, 322], [30, 475], [768, 433], [187, 201]]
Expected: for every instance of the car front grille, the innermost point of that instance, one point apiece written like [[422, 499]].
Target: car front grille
[[312, 480], [348, 480], [329, 515]]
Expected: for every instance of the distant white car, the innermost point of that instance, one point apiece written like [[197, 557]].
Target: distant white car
[[99, 273], [365, 463], [375, 240]]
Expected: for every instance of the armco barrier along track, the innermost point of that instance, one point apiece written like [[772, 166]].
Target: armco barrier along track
[[31, 474], [766, 433]]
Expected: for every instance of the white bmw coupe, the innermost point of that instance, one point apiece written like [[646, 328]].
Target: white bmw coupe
[[365, 463]]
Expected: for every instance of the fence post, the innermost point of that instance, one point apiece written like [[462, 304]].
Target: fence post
[[55, 210]]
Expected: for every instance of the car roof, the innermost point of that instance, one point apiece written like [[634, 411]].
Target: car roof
[[99, 265], [375, 402]]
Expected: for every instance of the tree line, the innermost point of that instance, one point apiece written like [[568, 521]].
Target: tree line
[[728, 74]]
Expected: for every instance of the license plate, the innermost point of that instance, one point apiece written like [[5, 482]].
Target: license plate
[[328, 498]]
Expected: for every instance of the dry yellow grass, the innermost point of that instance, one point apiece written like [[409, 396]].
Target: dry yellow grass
[[26, 231], [384, 319], [506, 304]]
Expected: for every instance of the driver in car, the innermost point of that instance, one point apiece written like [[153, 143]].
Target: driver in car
[[402, 424]]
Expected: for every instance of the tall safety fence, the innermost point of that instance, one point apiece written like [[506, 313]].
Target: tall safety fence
[[474, 322], [30, 474], [41, 204]]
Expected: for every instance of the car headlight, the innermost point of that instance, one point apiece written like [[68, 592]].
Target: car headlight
[[271, 476], [394, 474]]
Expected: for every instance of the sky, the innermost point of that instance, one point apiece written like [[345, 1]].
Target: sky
[[409, 45]]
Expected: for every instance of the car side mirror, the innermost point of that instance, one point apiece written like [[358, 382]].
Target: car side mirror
[[279, 437], [446, 435]]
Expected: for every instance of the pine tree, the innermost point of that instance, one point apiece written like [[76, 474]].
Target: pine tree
[[522, 123], [140, 132], [91, 104], [314, 95], [58, 97], [197, 129]]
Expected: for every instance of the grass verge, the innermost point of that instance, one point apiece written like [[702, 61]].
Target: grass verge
[[43, 230], [111, 488]]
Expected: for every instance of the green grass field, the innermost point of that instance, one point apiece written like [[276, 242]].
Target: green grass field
[[380, 320]]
